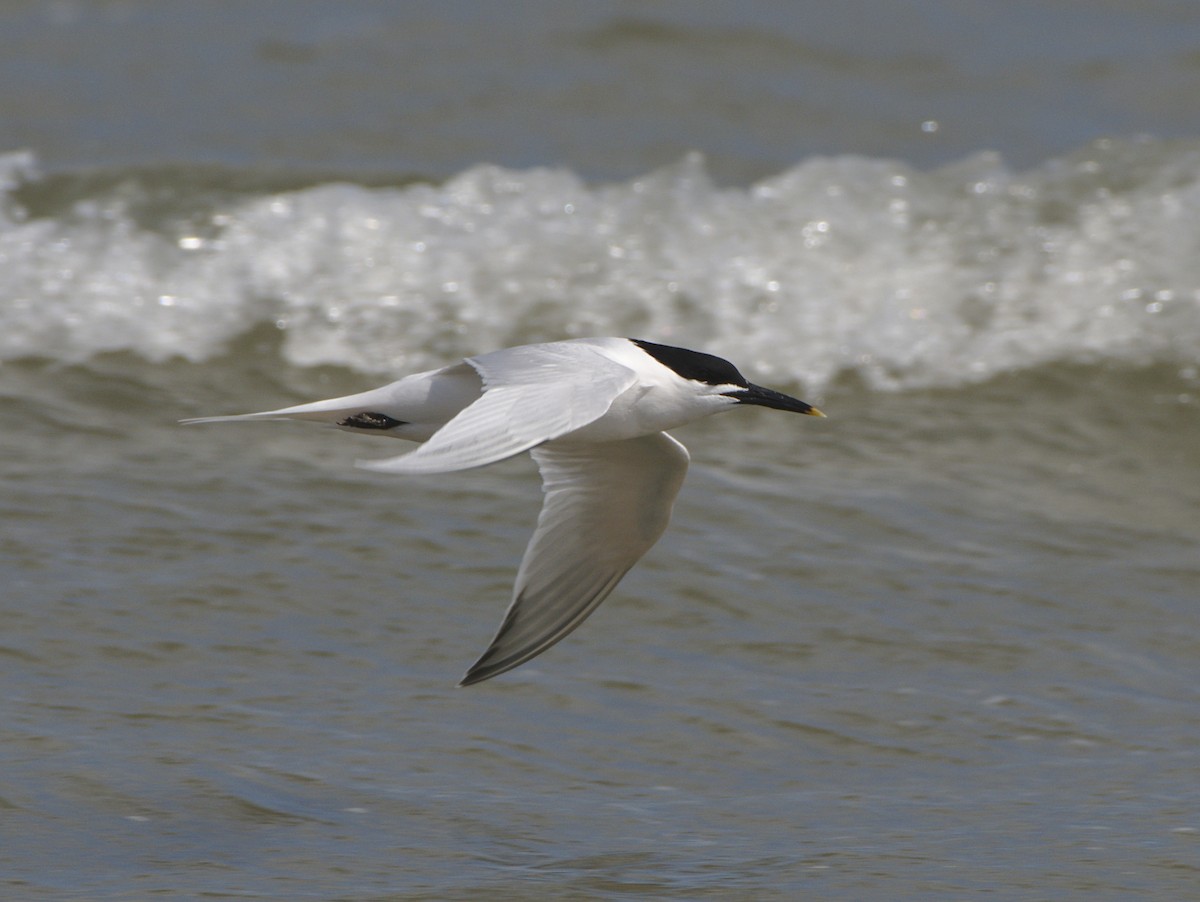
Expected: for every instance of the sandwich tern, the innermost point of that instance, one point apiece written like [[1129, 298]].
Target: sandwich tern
[[593, 413]]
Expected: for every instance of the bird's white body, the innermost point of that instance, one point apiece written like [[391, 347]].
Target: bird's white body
[[593, 412]]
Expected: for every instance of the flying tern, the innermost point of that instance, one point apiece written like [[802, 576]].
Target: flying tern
[[593, 413]]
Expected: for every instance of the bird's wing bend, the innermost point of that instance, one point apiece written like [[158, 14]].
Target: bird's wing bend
[[606, 504], [531, 395]]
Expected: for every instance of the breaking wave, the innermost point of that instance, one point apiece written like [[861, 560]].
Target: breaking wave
[[837, 265]]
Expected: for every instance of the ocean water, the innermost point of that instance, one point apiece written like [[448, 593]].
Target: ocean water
[[942, 644]]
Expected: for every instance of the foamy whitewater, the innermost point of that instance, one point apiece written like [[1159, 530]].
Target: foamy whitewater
[[940, 644], [837, 265]]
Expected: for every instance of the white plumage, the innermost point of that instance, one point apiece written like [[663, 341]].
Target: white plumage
[[593, 413]]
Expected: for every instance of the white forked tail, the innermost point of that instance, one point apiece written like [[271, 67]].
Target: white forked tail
[[427, 399], [331, 411]]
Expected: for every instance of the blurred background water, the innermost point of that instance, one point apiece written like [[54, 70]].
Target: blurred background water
[[942, 644]]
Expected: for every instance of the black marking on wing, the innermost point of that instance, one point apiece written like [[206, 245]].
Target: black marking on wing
[[368, 420], [694, 365]]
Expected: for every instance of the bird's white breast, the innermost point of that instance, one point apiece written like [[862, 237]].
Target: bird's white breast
[[657, 401]]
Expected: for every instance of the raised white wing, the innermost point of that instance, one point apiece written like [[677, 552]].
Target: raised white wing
[[531, 395], [606, 505]]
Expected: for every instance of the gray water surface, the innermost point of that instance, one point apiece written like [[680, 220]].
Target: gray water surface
[[942, 644], [868, 659]]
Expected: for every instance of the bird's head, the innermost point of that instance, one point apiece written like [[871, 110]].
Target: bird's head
[[718, 378]]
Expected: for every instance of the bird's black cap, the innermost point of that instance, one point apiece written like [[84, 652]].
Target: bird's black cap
[[713, 370], [694, 365]]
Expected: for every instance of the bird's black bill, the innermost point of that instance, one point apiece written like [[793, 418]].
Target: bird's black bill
[[766, 397]]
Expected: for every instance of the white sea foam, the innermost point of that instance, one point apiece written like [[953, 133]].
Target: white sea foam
[[838, 264]]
